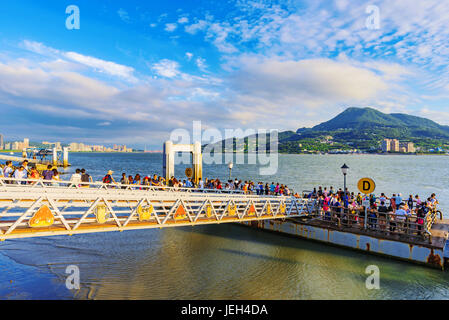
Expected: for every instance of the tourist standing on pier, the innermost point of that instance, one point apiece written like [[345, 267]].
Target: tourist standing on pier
[[25, 168], [76, 177], [393, 203], [55, 177], [34, 174], [410, 203], [48, 174], [108, 179], [418, 201], [8, 171], [20, 174], [433, 200], [124, 180]]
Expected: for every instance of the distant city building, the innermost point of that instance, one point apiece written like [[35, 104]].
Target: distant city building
[[2, 146], [393, 145], [409, 147], [81, 147], [56, 145], [386, 145]]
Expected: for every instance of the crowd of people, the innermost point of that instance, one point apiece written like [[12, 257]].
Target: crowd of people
[[397, 212], [23, 171], [247, 186], [19, 174], [82, 178]]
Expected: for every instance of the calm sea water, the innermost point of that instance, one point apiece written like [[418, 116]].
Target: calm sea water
[[228, 261]]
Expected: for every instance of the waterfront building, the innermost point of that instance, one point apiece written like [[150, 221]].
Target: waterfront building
[[386, 145], [393, 145]]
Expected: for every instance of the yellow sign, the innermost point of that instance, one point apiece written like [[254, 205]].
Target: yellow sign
[[42, 218], [366, 185], [189, 172]]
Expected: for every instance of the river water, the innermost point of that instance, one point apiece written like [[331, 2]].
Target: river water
[[228, 261]]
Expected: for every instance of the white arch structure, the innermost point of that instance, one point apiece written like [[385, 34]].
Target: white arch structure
[[169, 159]]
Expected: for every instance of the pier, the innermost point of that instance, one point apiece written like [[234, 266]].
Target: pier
[[64, 208], [429, 246], [54, 158]]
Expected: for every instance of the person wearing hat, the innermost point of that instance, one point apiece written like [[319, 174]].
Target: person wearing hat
[[108, 177], [401, 217]]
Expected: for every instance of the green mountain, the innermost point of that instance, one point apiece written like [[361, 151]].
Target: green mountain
[[360, 128], [367, 118], [365, 128]]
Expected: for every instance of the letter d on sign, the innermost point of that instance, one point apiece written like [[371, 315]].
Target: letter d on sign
[[366, 185], [373, 280], [72, 21], [73, 280]]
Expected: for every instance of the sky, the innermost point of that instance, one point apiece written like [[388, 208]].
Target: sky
[[134, 71]]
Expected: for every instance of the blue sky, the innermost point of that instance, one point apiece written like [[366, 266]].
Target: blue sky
[[137, 70]]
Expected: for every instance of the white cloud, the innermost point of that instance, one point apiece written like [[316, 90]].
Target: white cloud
[[189, 55], [61, 57], [201, 63], [170, 27], [166, 68], [183, 20], [108, 67], [198, 26], [123, 14]]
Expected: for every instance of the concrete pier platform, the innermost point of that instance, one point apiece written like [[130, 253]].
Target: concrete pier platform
[[432, 252], [34, 161]]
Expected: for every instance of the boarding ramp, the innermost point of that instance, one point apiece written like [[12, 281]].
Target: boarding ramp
[[37, 208]]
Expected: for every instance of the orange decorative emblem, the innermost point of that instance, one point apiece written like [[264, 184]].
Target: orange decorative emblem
[[42, 218], [145, 212], [232, 210], [282, 208], [100, 213], [252, 211], [180, 213], [268, 210], [209, 211]]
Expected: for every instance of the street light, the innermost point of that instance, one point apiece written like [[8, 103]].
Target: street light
[[344, 170], [230, 165]]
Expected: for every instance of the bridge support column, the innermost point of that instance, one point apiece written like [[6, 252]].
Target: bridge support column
[[168, 160], [65, 156], [55, 157], [197, 159]]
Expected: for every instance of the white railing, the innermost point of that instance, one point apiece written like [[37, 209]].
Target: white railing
[[64, 184], [38, 209]]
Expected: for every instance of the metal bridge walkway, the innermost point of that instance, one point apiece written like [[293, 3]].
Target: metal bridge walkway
[[37, 209]]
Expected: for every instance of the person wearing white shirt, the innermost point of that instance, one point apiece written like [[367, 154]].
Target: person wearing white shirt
[[7, 171], [20, 173], [76, 177], [25, 168]]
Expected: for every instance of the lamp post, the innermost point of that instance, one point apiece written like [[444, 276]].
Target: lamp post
[[344, 170], [230, 165]]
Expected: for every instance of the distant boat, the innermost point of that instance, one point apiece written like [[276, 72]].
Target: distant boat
[[11, 153]]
